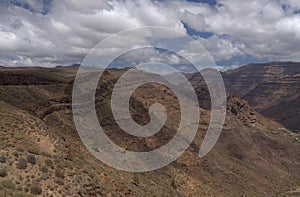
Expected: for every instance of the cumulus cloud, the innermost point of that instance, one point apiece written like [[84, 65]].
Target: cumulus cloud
[[263, 28], [48, 33]]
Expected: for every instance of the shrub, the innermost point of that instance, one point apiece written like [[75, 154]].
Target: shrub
[[49, 162], [20, 194], [31, 159], [19, 136], [36, 190], [16, 154], [59, 173], [3, 144], [44, 169], [44, 177], [59, 181], [65, 164], [22, 164], [34, 151], [2, 159], [8, 184], [20, 148], [3, 172], [26, 189], [46, 154]]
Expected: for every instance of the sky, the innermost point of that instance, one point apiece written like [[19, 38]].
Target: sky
[[234, 32]]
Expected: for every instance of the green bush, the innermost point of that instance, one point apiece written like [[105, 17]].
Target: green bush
[[8, 184], [16, 154], [36, 190], [22, 164], [2, 159], [20, 148], [44, 169], [26, 189], [3, 172], [59, 173], [49, 162], [59, 181], [20, 194], [19, 136], [46, 154], [44, 177], [34, 151], [31, 159]]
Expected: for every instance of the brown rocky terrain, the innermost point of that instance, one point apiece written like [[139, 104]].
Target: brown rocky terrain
[[273, 89], [41, 153]]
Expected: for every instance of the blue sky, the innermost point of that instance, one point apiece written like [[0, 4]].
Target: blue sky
[[234, 32], [210, 2], [44, 7]]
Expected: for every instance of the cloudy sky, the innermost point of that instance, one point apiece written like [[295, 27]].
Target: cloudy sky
[[62, 32]]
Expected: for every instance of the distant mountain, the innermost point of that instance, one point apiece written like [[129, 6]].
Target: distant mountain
[[273, 89], [70, 66], [2, 67]]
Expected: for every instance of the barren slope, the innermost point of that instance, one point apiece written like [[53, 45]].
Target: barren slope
[[272, 89], [254, 155]]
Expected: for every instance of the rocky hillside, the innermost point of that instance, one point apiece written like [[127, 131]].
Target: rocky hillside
[[42, 155], [272, 89]]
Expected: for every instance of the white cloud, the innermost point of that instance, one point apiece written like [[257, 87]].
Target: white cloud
[[222, 48], [259, 28]]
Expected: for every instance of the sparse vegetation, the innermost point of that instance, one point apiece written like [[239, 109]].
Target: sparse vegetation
[[20, 148], [34, 150], [22, 164], [59, 181], [37, 136], [44, 169], [8, 184], [2, 159], [19, 136], [36, 190], [3, 172], [59, 173], [49, 162], [31, 159], [297, 182], [21, 194]]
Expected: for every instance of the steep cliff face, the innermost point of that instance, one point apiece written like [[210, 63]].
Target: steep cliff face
[[272, 89]]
